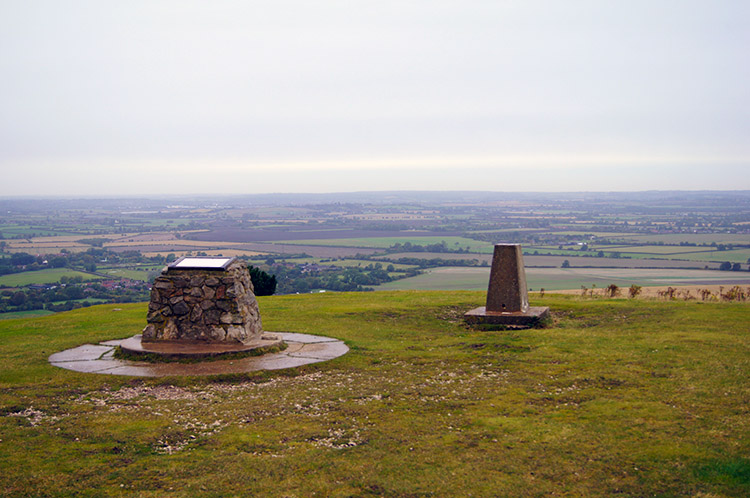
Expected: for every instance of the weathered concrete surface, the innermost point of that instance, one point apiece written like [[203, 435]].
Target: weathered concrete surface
[[302, 350], [171, 349], [85, 352], [507, 293], [204, 306], [529, 318]]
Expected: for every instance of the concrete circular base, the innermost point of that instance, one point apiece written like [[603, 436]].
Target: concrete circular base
[[520, 319], [99, 358], [136, 346]]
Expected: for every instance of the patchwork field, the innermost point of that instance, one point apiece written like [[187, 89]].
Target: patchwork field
[[134, 274], [210, 252], [696, 238], [473, 278], [580, 261], [344, 263], [386, 242], [557, 261], [306, 236], [619, 398]]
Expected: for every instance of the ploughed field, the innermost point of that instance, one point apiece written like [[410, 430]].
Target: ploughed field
[[619, 397]]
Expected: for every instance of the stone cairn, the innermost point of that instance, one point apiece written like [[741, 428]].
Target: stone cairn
[[195, 302]]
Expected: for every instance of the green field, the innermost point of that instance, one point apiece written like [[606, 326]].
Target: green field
[[386, 242], [343, 263], [604, 235], [11, 231], [126, 273], [435, 255], [734, 256], [477, 278], [49, 276], [696, 253], [25, 314], [619, 398], [507, 230], [697, 238]]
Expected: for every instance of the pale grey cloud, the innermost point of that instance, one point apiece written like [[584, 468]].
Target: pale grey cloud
[[117, 96]]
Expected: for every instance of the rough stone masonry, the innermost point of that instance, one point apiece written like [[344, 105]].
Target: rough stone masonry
[[195, 303]]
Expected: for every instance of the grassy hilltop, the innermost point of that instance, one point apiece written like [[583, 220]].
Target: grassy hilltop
[[620, 397]]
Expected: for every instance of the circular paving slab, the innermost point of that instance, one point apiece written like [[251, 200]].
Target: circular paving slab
[[99, 358], [195, 350]]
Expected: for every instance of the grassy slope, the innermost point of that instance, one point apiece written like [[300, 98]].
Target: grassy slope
[[635, 398], [25, 314]]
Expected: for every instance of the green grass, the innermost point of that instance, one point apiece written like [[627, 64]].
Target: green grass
[[49, 276], [626, 398], [24, 314]]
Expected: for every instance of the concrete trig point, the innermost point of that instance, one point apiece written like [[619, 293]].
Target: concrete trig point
[[507, 296]]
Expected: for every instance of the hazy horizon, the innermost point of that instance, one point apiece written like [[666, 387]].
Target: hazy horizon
[[385, 196], [193, 98]]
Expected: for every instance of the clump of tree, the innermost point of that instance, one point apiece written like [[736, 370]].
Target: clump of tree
[[74, 279], [612, 290], [264, 284], [440, 247], [735, 293], [634, 291], [296, 280], [727, 266], [96, 241], [435, 262], [668, 293]]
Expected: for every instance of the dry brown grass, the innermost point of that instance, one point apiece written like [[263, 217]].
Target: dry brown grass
[[679, 291]]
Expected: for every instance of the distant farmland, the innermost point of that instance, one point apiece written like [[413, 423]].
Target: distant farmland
[[556, 261], [473, 278], [330, 236], [384, 242]]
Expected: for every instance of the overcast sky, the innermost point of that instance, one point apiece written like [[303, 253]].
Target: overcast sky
[[176, 96]]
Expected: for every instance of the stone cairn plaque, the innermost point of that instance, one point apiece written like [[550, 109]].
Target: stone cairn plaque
[[203, 300], [507, 295]]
